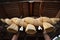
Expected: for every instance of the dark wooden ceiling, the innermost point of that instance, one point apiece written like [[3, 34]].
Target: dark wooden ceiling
[[24, 9]]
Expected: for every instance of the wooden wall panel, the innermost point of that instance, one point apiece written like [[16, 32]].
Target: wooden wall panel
[[51, 9], [31, 9], [41, 8], [36, 7], [12, 9], [51, 0], [2, 12], [25, 9], [20, 8]]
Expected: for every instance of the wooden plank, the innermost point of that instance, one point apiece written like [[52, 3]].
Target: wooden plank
[[12, 9], [25, 9], [41, 9], [51, 9], [37, 0], [13, 0], [36, 9], [51, 0], [2, 12], [30, 9], [21, 8]]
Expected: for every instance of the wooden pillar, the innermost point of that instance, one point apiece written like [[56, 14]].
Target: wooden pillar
[[41, 8], [30, 8]]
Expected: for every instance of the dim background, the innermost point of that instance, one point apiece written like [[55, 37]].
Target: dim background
[[24, 8]]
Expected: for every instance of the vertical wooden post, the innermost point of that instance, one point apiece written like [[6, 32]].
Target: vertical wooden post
[[31, 7], [41, 8]]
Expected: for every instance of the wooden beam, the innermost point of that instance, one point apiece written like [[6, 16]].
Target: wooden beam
[[20, 5], [30, 9], [36, 9], [41, 8], [25, 9]]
